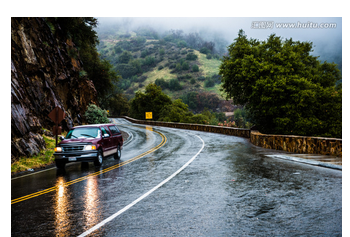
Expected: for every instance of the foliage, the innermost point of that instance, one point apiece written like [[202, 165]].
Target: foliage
[[164, 109], [118, 105], [241, 118], [161, 51], [37, 161], [125, 57], [96, 115], [195, 68], [209, 82], [176, 112], [144, 53], [174, 85], [153, 100], [162, 83], [126, 70], [191, 56], [198, 101], [148, 61], [185, 66], [204, 50], [285, 89]]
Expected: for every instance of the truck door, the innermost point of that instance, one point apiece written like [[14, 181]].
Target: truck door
[[107, 142]]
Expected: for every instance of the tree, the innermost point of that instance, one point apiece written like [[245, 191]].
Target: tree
[[176, 112], [118, 105], [125, 57], [285, 89], [96, 115], [153, 100]]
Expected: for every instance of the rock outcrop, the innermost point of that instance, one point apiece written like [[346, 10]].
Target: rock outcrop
[[44, 74]]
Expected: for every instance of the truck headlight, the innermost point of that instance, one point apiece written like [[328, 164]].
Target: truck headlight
[[58, 149], [89, 147]]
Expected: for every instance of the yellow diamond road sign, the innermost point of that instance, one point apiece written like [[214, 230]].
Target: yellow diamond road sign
[[148, 115]]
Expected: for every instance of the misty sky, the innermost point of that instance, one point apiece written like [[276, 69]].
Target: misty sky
[[325, 40]]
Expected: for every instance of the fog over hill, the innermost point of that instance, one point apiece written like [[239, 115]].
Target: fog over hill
[[324, 32]]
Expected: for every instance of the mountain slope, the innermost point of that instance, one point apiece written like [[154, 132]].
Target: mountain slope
[[170, 63]]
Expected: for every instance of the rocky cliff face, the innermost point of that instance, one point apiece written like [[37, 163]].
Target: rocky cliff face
[[45, 72]]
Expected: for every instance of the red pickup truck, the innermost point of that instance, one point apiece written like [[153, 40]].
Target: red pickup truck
[[89, 143]]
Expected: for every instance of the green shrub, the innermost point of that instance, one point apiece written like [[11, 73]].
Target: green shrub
[[149, 61], [162, 83], [174, 85], [185, 66], [178, 67], [161, 51], [204, 50], [181, 44], [126, 70], [117, 49], [195, 68], [96, 115], [209, 82], [144, 53], [125, 57], [191, 56]]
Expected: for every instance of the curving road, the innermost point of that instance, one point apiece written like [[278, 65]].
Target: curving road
[[172, 182]]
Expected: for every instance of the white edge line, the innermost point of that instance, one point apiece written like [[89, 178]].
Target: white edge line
[[102, 223], [37, 172], [307, 161]]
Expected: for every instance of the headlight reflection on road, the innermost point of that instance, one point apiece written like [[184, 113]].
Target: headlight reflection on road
[[91, 202], [62, 207]]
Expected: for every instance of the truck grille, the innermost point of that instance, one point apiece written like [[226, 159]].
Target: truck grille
[[72, 148]]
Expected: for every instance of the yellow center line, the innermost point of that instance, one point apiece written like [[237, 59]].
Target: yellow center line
[[29, 196]]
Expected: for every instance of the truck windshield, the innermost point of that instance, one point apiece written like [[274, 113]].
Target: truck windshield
[[83, 133]]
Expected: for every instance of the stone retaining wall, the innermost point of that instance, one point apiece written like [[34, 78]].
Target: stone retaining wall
[[298, 144], [239, 132], [289, 143]]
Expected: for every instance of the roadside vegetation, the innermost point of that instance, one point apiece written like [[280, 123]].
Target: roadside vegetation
[[39, 161], [168, 110]]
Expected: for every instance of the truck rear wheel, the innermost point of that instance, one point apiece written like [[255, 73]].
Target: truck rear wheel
[[118, 154]]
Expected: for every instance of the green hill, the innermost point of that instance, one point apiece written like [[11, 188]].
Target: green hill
[[167, 61]]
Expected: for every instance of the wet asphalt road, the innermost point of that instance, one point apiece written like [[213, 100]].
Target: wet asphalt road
[[230, 188]]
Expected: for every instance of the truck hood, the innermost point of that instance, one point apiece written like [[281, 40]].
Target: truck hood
[[79, 140]]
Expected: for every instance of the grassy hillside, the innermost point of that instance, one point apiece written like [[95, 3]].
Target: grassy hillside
[[141, 61]]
